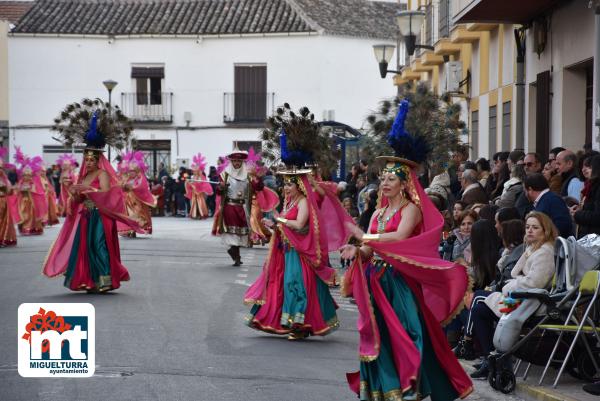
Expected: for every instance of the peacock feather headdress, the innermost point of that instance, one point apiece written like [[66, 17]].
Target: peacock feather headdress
[[297, 140], [93, 123]]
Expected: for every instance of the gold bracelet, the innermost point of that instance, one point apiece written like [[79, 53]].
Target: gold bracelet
[[371, 237], [281, 220]]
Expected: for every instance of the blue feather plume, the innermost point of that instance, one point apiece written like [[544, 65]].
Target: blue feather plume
[[93, 138], [405, 145], [292, 157]]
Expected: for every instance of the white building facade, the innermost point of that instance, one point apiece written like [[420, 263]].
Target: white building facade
[[194, 92]]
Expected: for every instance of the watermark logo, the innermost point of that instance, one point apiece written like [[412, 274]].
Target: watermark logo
[[57, 340]]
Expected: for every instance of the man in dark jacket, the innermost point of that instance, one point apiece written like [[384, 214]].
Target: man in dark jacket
[[533, 164], [566, 164], [549, 203]]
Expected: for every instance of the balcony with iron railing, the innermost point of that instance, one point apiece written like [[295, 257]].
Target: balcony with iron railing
[[247, 108], [156, 107]]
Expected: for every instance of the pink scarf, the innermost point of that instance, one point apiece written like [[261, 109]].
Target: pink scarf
[[109, 203], [313, 247], [438, 285]]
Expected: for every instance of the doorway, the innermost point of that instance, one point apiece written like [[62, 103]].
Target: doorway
[[156, 152]]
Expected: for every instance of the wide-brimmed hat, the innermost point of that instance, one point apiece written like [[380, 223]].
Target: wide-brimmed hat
[[294, 171], [238, 154], [385, 160]]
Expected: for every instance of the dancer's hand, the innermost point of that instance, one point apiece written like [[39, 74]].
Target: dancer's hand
[[348, 251], [268, 223]]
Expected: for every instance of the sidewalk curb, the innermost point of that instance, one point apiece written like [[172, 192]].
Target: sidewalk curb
[[528, 391], [540, 393]]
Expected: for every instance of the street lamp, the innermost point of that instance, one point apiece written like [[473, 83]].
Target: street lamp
[[383, 55], [409, 23], [109, 84]]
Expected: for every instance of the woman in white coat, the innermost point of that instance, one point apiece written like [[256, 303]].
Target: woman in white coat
[[534, 269]]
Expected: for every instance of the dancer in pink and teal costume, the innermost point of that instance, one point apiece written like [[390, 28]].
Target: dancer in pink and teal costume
[[403, 290], [291, 296], [87, 249]]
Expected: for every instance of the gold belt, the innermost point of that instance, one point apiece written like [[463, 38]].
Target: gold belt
[[88, 204], [236, 201]]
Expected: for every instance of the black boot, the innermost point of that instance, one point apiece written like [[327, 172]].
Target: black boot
[[464, 350], [483, 371], [231, 252], [237, 257], [592, 388]]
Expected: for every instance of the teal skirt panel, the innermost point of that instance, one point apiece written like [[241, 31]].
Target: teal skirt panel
[[379, 378], [294, 293], [97, 258]]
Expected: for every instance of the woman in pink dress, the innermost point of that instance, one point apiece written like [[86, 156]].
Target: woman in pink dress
[[87, 250], [32, 206], [8, 235], [138, 196], [67, 164], [403, 290], [198, 188]]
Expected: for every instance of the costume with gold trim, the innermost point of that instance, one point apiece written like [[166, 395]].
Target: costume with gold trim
[[404, 293]]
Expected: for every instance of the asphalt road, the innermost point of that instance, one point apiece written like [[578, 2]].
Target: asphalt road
[[176, 331]]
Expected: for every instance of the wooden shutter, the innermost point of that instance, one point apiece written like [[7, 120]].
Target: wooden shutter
[[250, 98], [542, 113]]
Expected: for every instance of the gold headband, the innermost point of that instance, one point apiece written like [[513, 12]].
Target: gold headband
[[401, 170], [92, 153]]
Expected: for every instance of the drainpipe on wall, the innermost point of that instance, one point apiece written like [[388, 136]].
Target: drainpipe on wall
[[596, 111], [520, 84]]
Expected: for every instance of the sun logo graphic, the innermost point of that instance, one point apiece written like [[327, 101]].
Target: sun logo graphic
[[56, 340]]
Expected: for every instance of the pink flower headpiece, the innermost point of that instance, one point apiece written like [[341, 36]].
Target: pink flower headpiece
[[133, 160], [66, 159], [26, 164], [252, 161], [224, 163], [20, 157], [198, 162]]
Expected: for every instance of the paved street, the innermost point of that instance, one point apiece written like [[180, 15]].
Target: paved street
[[175, 331]]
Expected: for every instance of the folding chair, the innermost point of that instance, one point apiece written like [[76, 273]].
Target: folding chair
[[589, 287]]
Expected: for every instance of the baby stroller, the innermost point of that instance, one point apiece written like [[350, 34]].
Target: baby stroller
[[540, 308]]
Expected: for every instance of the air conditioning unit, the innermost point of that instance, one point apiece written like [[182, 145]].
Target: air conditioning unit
[[328, 115], [453, 74]]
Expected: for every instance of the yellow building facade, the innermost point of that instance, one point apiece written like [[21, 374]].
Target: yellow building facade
[[552, 104]]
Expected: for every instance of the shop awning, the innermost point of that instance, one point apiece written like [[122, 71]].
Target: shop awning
[[504, 11]]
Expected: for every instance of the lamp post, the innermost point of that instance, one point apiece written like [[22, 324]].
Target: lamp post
[[383, 55], [109, 84], [409, 24]]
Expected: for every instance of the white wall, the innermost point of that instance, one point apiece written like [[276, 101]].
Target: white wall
[[3, 70], [317, 71], [508, 56], [570, 41], [484, 124], [494, 59]]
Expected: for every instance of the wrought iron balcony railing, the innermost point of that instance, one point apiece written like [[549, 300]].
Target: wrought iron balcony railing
[[148, 107], [247, 107]]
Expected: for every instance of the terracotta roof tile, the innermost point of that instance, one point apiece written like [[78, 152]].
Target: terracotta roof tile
[[12, 11], [208, 17]]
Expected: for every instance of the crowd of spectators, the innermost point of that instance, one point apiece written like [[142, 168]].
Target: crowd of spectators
[[502, 217]]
